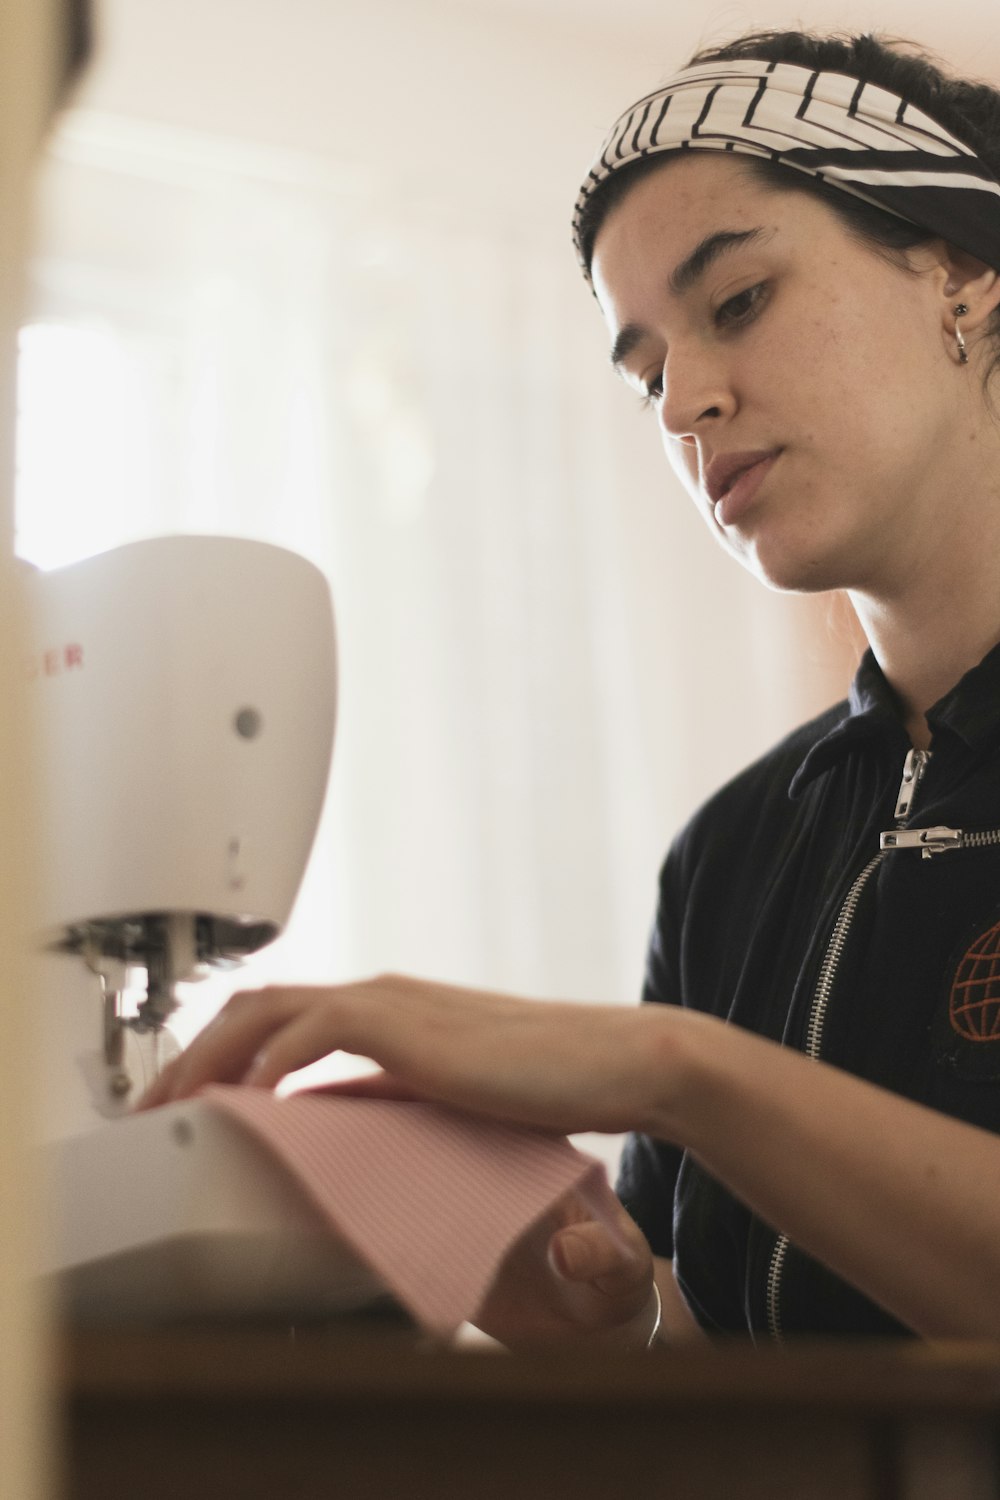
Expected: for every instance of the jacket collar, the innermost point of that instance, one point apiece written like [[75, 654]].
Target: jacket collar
[[970, 711]]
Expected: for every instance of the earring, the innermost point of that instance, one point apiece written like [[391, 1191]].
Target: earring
[[960, 312]]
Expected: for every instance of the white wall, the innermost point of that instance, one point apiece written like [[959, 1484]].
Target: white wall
[[512, 93]]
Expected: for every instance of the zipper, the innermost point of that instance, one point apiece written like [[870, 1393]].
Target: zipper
[[914, 767], [931, 841]]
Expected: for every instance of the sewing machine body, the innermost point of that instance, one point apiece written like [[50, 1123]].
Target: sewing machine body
[[184, 696]]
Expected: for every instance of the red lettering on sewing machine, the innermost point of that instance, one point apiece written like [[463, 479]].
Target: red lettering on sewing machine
[[54, 661]]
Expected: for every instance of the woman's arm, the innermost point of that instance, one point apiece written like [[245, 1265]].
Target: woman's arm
[[897, 1199], [902, 1202]]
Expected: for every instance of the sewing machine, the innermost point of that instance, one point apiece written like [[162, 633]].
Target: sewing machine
[[184, 696]]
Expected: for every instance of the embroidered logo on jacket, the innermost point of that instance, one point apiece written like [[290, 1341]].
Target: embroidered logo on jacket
[[974, 1004]]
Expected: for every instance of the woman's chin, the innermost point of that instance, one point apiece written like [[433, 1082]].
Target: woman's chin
[[788, 565]]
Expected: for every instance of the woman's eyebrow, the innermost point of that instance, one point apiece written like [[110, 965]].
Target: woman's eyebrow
[[626, 341], [684, 276], [706, 253]]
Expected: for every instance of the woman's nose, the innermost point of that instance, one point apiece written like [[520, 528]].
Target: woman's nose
[[695, 394]]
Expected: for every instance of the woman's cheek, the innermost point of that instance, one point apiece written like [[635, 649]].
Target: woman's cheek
[[683, 460]]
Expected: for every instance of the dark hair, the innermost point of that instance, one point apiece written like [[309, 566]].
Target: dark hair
[[968, 110]]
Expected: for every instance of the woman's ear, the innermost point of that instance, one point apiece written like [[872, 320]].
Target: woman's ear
[[971, 282]]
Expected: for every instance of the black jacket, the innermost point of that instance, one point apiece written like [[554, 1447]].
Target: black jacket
[[749, 897]]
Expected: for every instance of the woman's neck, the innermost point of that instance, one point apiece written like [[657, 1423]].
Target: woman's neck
[[925, 649], [933, 612]]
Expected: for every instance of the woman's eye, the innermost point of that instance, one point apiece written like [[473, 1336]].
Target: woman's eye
[[736, 312], [652, 391], [742, 308]]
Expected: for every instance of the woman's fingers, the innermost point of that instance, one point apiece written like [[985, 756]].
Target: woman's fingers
[[260, 1036], [610, 1252], [576, 1273], [552, 1065], [588, 1252], [224, 1052]]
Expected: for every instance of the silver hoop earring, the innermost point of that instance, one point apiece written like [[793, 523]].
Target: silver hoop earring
[[960, 312]]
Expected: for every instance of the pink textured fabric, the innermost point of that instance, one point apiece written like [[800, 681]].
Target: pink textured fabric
[[430, 1198]]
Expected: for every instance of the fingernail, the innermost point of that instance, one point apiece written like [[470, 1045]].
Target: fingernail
[[569, 1256]]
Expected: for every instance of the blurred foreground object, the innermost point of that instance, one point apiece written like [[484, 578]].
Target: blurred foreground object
[[44, 44]]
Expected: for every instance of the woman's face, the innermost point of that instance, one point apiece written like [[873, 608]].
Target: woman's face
[[803, 384]]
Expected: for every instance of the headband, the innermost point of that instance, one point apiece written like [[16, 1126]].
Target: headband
[[855, 136]]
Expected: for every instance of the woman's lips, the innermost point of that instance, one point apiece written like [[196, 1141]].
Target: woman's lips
[[733, 503]]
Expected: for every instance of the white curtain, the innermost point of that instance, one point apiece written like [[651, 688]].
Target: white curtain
[[544, 663]]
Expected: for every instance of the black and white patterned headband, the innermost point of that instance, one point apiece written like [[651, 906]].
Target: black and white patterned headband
[[855, 136]]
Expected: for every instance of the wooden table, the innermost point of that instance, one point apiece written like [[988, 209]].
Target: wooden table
[[365, 1411]]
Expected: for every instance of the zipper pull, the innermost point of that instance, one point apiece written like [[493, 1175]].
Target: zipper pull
[[929, 841], [914, 767]]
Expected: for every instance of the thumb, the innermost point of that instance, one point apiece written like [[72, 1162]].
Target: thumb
[[616, 1265]]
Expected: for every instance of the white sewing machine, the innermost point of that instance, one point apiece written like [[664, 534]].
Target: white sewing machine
[[185, 694]]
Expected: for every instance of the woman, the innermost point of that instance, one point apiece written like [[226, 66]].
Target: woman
[[795, 246]]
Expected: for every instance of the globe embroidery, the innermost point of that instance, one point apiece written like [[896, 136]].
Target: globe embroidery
[[974, 1006]]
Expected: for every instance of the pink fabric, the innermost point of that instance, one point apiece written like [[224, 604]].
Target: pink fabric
[[430, 1198]]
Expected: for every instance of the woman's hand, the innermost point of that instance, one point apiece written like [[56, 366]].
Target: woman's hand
[[573, 1275], [556, 1066], [585, 1270]]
